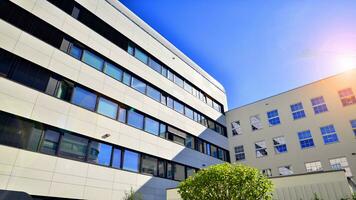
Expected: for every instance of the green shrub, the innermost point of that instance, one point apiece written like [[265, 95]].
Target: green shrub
[[226, 182]]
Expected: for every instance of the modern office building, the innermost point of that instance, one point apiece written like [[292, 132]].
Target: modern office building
[[307, 129], [94, 102]]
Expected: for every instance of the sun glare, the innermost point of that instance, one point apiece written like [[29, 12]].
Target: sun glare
[[346, 62]]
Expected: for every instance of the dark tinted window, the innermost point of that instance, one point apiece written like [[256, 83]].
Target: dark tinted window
[[6, 60], [73, 147], [179, 172], [18, 132], [99, 153], [84, 98], [149, 165], [161, 168], [50, 142]]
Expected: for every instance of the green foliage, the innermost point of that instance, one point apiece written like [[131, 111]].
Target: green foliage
[[132, 195], [316, 197], [354, 196], [226, 182]]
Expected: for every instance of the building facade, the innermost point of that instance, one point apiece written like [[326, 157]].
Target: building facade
[[94, 102], [307, 129]]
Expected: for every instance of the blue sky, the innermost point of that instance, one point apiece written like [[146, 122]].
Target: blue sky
[[258, 49]]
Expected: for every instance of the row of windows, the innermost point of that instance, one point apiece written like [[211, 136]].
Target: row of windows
[[46, 32], [138, 84], [36, 77], [110, 33], [27, 134], [335, 164], [305, 138], [347, 98]]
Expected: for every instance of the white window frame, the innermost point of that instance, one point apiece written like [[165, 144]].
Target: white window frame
[[313, 166], [341, 163]]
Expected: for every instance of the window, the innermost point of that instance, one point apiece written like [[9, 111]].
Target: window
[[116, 158], [164, 71], [179, 172], [341, 163], [75, 51], [214, 151], [59, 88], [19, 133], [176, 139], [154, 65], [93, 60], [329, 134], [353, 125], [169, 170], [305, 139], [313, 166], [239, 153], [170, 75], [217, 107], [135, 119], [207, 149], [236, 128], [261, 149], [131, 161], [84, 98], [178, 81], [211, 124], [199, 144], [279, 144], [50, 142], [161, 168], [163, 99], [130, 49], [285, 170], [138, 85], [347, 97], [141, 56], [187, 87], [255, 122], [149, 165], [153, 93], [151, 126], [221, 154], [170, 102], [319, 105], [273, 118], [297, 111], [127, 79], [178, 107], [107, 108], [188, 112], [73, 146], [113, 71], [189, 141], [190, 171], [122, 114], [162, 130], [6, 60], [99, 153], [267, 172]]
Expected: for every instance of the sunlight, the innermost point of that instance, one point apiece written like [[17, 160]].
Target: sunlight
[[345, 62]]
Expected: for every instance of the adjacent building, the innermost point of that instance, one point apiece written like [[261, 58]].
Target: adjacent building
[[307, 129], [94, 102]]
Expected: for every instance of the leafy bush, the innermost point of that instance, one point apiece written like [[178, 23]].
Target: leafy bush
[[228, 182], [132, 195]]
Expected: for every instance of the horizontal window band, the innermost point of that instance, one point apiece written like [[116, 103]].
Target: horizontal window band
[[41, 79]]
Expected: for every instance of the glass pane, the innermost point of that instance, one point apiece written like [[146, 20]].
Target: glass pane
[[163, 99], [84, 98], [187, 87], [178, 107], [189, 141], [190, 171], [127, 79], [113, 71], [135, 119], [169, 171], [214, 151], [179, 172], [107, 108], [131, 161], [130, 49], [154, 65], [161, 168], [50, 142], [99, 153], [149, 165], [138, 85], [178, 81], [93, 60], [164, 71], [141, 56], [151, 126], [122, 114], [116, 158], [162, 130], [153, 93], [170, 75], [76, 52], [188, 112], [169, 102], [72, 146], [65, 90], [20, 133]]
